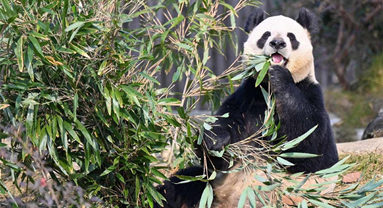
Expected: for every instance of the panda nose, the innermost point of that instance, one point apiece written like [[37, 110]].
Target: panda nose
[[277, 44]]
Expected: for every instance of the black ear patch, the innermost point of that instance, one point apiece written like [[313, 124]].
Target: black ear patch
[[255, 18], [308, 20]]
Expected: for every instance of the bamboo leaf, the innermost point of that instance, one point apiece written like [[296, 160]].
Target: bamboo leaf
[[252, 199], [80, 51], [19, 53], [298, 155], [295, 142], [75, 105], [320, 204], [85, 133], [262, 74], [242, 198], [36, 45], [74, 26], [38, 35], [284, 162], [150, 78], [108, 170]]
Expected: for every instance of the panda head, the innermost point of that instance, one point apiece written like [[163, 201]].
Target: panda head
[[285, 40]]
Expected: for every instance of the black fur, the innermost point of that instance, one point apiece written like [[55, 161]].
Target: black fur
[[308, 20], [182, 195], [299, 107], [261, 42], [293, 40], [255, 18], [375, 128]]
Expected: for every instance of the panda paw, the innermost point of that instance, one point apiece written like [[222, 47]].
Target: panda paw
[[217, 138], [279, 76]]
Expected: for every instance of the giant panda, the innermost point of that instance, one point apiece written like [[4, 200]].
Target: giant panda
[[299, 107]]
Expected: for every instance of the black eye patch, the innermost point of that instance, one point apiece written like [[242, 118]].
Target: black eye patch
[[261, 42], [293, 40]]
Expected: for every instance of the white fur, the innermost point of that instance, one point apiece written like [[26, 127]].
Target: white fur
[[300, 61]]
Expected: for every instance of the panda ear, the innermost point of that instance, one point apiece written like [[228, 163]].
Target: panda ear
[[308, 20], [255, 18]]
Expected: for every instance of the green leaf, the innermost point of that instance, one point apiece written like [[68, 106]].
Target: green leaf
[[176, 21], [181, 112], [38, 35], [207, 126], [259, 67], [158, 173], [267, 188], [252, 199], [212, 176], [226, 115], [69, 129], [207, 197], [169, 101], [120, 177], [29, 60], [320, 204], [19, 53], [137, 192], [75, 105], [2, 185], [65, 50], [176, 75], [197, 5], [217, 153], [74, 26], [101, 68], [87, 157], [240, 76], [232, 20], [63, 135], [370, 186], [164, 36], [376, 205], [284, 162], [85, 132], [149, 78], [158, 197], [334, 169], [262, 74], [360, 202], [200, 137], [205, 56], [108, 170], [187, 179], [298, 155], [184, 46], [295, 142], [78, 50], [242, 198], [36, 45]]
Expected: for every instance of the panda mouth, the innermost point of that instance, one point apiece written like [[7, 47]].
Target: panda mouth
[[278, 59]]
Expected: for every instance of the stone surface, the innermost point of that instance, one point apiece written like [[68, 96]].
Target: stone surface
[[368, 145], [351, 177]]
